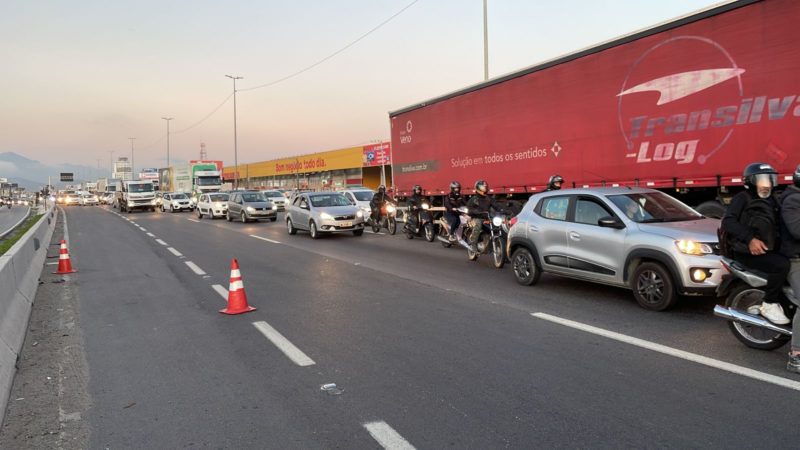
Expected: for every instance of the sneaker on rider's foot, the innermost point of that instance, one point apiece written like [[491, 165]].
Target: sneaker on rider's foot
[[774, 313], [473, 248], [754, 309], [793, 365]]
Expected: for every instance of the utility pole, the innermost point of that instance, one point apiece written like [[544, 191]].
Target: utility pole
[[132, 172], [111, 160], [235, 143], [485, 44], [167, 119]]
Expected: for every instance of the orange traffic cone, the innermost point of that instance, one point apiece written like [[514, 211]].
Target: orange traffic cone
[[237, 299], [64, 264]]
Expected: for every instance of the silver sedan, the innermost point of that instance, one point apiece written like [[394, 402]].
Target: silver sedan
[[324, 212]]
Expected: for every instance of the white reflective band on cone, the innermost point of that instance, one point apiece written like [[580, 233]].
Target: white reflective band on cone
[[235, 273], [236, 285], [63, 256]]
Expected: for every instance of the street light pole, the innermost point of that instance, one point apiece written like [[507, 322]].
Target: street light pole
[[485, 44], [132, 139], [167, 119], [235, 143]]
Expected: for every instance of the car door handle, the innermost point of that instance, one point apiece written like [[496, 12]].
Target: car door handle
[[574, 236], [533, 228]]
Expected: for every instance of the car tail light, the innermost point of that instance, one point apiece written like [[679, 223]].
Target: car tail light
[[512, 222]]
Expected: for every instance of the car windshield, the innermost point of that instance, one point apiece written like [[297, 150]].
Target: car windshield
[[324, 200], [273, 194], [144, 187], [251, 197], [363, 196], [218, 197], [178, 196], [653, 207], [87, 195]]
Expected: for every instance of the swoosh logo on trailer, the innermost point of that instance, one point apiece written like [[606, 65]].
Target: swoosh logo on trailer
[[680, 85]]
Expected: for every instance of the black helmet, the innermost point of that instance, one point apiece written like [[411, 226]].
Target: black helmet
[[382, 189], [481, 187], [455, 186], [417, 189], [796, 176], [551, 183], [759, 171]]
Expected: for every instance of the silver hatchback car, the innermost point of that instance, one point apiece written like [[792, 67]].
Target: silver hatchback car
[[637, 238], [323, 213]]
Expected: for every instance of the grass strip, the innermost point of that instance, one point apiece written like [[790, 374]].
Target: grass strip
[[15, 235]]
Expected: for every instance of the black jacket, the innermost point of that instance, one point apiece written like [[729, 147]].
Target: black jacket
[[379, 199], [415, 201], [790, 222], [453, 201], [748, 217], [480, 205]]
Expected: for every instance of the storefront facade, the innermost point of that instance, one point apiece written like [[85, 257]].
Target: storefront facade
[[365, 165]]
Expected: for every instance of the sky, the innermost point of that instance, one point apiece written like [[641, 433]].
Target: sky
[[81, 77]]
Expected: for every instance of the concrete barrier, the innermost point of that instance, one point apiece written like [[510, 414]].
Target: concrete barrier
[[19, 278]]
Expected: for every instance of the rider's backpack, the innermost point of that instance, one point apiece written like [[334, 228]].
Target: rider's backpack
[[725, 244], [759, 215]]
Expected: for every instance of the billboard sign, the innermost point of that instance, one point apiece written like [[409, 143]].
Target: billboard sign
[[67, 176], [377, 155]]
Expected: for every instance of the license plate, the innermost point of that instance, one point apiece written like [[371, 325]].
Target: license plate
[[345, 224]]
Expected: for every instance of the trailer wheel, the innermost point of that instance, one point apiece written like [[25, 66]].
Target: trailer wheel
[[712, 209]]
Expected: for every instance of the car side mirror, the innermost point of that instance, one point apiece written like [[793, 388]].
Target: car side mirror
[[610, 222]]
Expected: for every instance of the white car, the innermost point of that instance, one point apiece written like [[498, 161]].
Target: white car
[[176, 201], [212, 205], [277, 198], [88, 199], [360, 197]]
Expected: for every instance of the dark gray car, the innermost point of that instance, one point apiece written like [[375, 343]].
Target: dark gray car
[[250, 205]]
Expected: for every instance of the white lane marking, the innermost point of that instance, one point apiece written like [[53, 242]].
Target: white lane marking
[[174, 252], [221, 291], [143, 228], [192, 220], [134, 223], [151, 235], [386, 436], [264, 239], [52, 263], [381, 233], [706, 361], [161, 242], [194, 268], [283, 344]]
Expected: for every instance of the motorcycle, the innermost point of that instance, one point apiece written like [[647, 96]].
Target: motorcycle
[[743, 289], [445, 236], [423, 223], [494, 232], [387, 219]]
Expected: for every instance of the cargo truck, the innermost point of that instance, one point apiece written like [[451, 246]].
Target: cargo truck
[[193, 179], [681, 107], [135, 195]]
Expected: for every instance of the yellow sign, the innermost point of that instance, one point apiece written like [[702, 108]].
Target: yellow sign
[[347, 158]]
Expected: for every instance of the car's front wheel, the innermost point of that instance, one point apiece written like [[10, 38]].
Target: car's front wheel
[[312, 228], [653, 287], [199, 214], [290, 227], [243, 217], [228, 217]]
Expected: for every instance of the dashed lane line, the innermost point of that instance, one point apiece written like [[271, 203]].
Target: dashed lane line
[[174, 252], [386, 436], [264, 239], [193, 220], [194, 268], [161, 242], [693, 357], [151, 235], [283, 344], [221, 291]]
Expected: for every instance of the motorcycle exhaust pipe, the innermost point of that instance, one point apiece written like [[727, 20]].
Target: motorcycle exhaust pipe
[[444, 239], [749, 319]]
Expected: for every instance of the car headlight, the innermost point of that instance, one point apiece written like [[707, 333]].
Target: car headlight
[[217, 205], [325, 216], [389, 209], [274, 207], [359, 213], [250, 209], [497, 221], [153, 202], [130, 203], [693, 248]]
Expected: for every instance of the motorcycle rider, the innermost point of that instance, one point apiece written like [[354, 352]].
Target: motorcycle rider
[[554, 183], [414, 207], [479, 205], [379, 199], [452, 202], [750, 244], [790, 247]]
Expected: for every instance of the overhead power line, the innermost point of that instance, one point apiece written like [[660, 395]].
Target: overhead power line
[[272, 83]]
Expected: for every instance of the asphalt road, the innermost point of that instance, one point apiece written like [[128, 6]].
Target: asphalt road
[[444, 352], [10, 217]]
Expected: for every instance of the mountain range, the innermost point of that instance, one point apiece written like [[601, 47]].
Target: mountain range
[[32, 175]]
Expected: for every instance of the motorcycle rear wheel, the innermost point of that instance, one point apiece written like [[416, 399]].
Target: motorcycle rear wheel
[[740, 298], [392, 222], [429, 233], [498, 253]]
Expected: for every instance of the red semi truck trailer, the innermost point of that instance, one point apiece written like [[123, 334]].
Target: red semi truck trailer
[[681, 107]]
